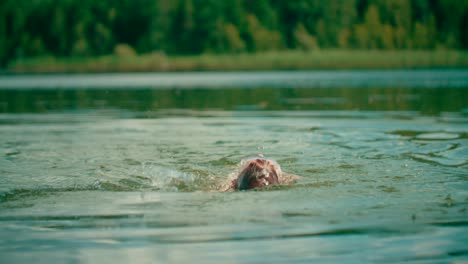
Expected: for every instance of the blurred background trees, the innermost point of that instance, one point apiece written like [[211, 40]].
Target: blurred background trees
[[64, 28]]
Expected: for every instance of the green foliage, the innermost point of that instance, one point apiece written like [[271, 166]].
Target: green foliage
[[304, 40], [124, 50], [72, 28], [374, 28], [261, 37], [232, 40], [269, 60]]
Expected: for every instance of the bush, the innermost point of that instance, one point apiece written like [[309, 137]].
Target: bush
[[124, 50]]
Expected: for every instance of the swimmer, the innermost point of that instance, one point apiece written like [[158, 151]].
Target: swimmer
[[259, 172]]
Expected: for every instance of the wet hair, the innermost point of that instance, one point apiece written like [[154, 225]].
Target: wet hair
[[258, 172]]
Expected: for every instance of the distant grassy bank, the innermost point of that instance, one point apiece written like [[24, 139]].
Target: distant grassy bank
[[284, 60]]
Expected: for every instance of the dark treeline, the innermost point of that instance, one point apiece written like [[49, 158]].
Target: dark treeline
[[65, 28]]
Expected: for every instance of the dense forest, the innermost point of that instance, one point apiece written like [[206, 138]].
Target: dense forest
[[64, 28]]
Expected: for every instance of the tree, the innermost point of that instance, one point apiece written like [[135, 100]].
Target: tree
[[94, 28], [361, 37], [232, 40], [374, 27], [420, 36], [263, 11], [159, 30], [261, 38], [183, 26], [464, 31], [387, 37], [304, 40]]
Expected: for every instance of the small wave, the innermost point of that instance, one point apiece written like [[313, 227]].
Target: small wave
[[438, 136], [19, 194], [453, 223], [70, 217], [171, 182], [444, 159], [433, 135], [256, 236], [138, 176]]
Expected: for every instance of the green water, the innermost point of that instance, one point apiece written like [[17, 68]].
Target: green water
[[132, 174]]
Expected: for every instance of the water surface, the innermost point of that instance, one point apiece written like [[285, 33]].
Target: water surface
[[278, 79], [131, 174]]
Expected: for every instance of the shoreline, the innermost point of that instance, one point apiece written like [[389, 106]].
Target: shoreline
[[267, 61]]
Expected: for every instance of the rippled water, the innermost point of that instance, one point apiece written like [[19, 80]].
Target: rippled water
[[99, 175]]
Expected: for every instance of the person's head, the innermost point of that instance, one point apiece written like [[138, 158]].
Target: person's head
[[258, 172]]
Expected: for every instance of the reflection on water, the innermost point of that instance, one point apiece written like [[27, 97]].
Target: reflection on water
[[88, 175], [428, 101]]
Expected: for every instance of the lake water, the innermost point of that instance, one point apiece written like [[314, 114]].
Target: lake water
[[126, 168]]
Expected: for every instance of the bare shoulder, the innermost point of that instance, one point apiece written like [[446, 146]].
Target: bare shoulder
[[228, 186], [289, 178]]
